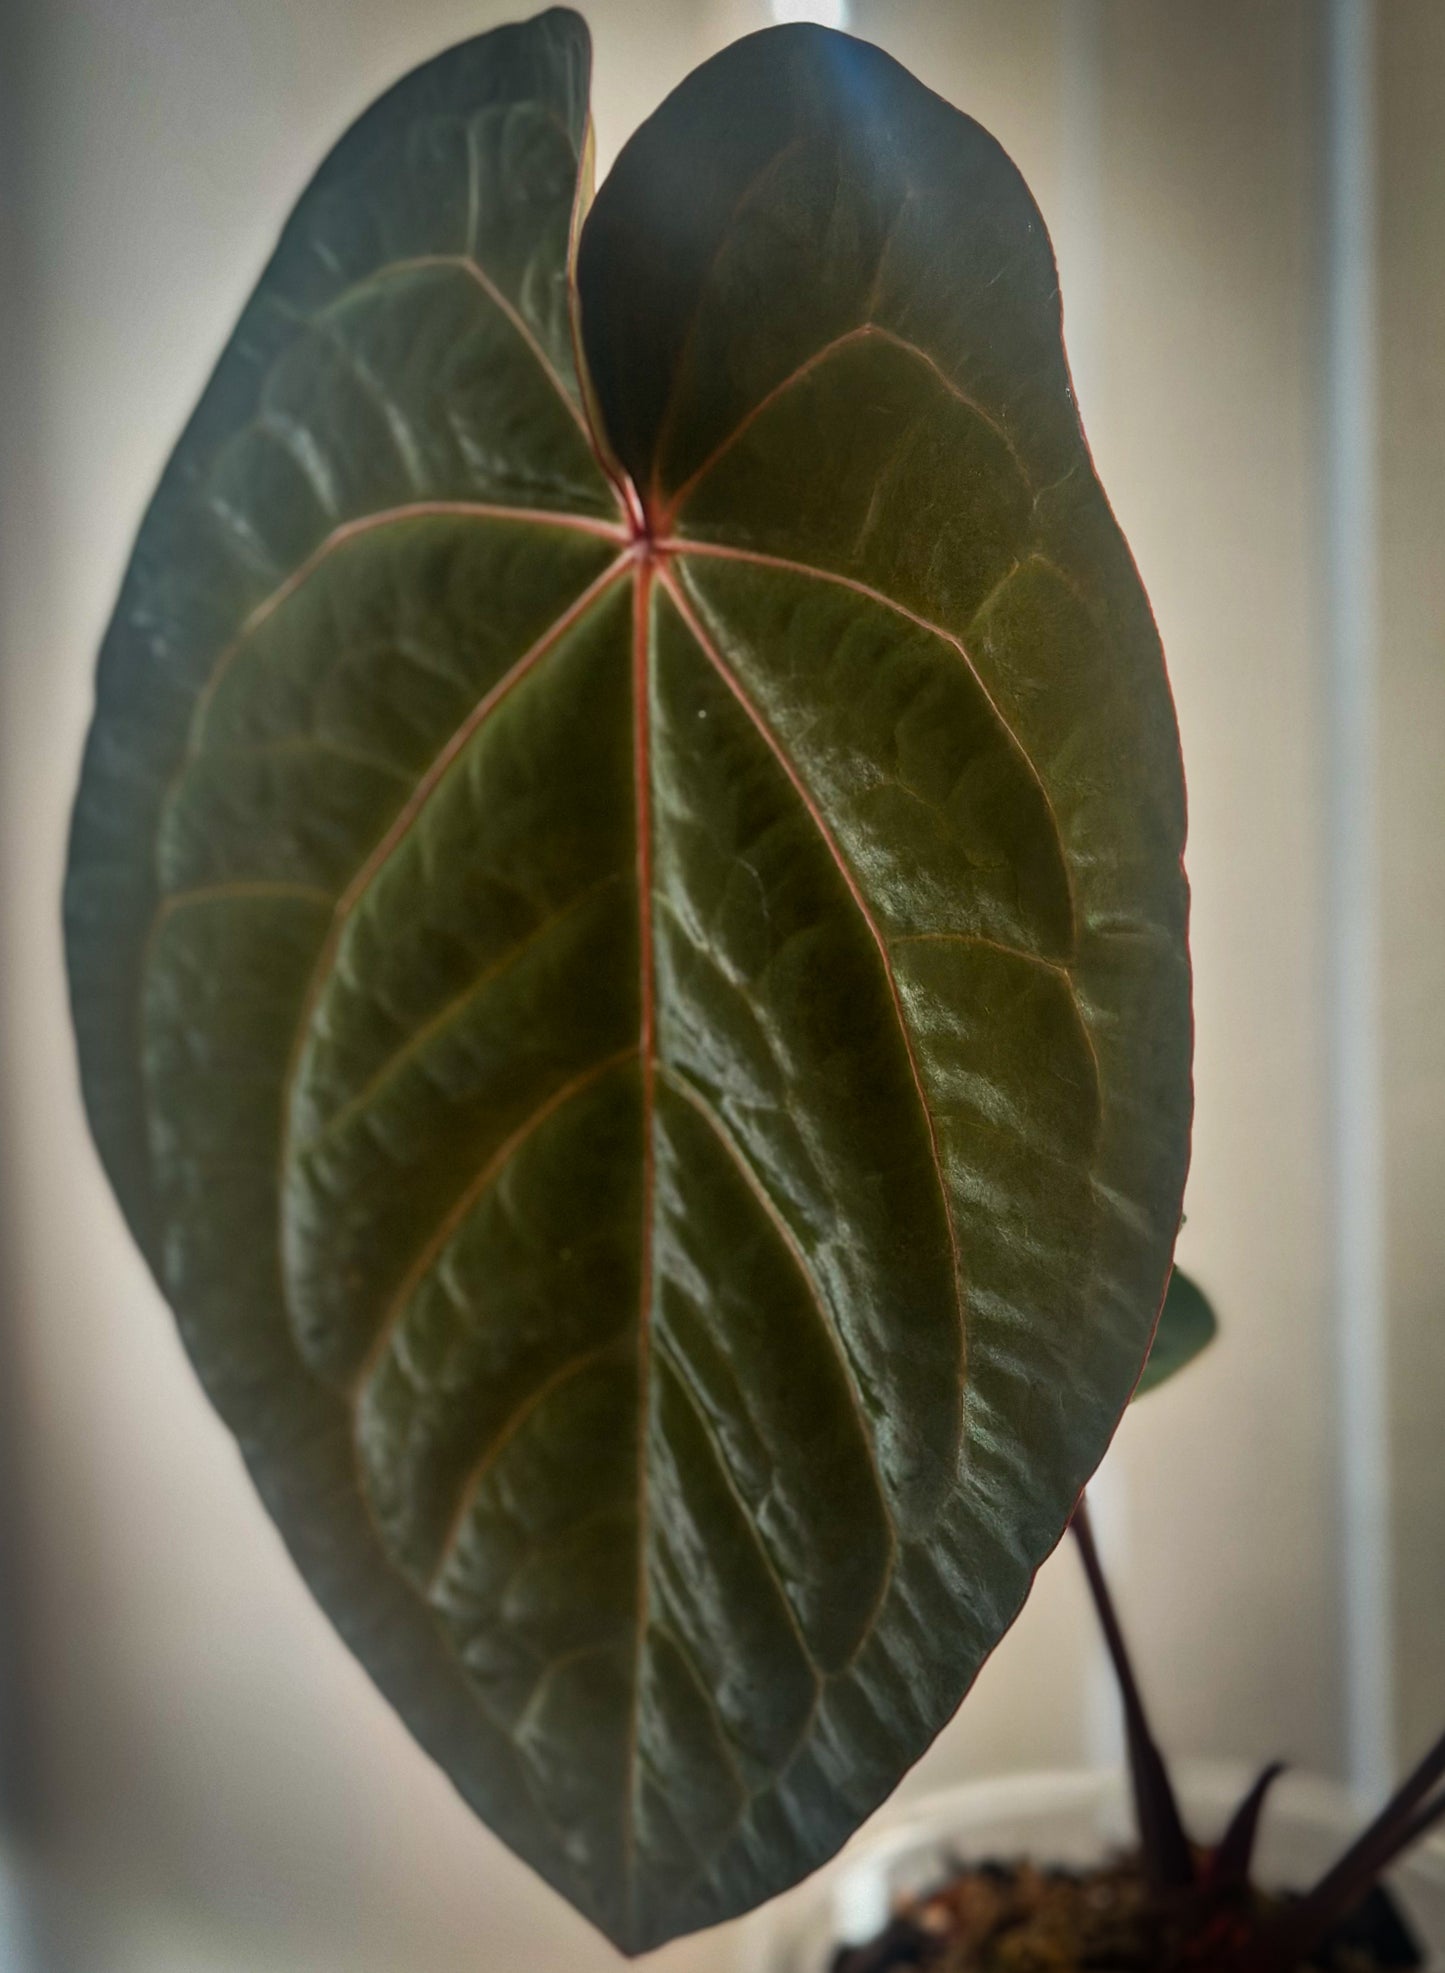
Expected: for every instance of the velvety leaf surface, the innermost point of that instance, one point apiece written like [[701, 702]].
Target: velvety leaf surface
[[1187, 1325], [639, 1010]]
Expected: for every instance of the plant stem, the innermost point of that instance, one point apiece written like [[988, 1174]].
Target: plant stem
[[1232, 1855], [1167, 1858], [1420, 1824], [1297, 1931]]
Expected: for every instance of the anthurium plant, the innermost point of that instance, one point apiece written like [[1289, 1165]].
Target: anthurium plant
[[628, 941]]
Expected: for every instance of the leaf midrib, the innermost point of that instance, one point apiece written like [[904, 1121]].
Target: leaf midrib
[[641, 672]]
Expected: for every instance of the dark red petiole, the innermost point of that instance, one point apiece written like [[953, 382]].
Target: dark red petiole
[[1409, 1813], [1167, 1858]]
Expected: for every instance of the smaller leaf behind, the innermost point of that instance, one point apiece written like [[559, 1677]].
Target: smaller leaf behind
[[1187, 1324]]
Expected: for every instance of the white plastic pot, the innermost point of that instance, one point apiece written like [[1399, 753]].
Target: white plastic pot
[[1064, 1818]]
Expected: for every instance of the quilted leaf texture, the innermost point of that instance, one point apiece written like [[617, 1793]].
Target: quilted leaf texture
[[628, 943]]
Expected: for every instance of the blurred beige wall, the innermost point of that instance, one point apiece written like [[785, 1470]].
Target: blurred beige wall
[[1412, 747], [204, 1745]]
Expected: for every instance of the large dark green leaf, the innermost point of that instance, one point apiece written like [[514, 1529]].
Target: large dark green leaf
[[640, 1011]]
